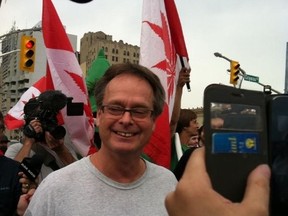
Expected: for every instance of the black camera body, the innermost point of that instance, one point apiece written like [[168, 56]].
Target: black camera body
[[45, 108]]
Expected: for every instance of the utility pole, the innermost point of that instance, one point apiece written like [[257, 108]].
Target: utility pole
[[244, 74], [286, 71]]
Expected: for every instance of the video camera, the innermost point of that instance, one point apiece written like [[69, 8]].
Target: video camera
[[45, 108]]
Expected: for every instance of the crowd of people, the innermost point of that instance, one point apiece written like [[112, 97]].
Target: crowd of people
[[116, 180]]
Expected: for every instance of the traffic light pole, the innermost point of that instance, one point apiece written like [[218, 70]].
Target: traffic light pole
[[243, 73]]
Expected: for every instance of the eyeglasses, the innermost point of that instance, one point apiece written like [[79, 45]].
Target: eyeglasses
[[136, 113]]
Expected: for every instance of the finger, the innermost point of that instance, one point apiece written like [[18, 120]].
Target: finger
[[31, 192], [199, 188], [25, 188], [24, 180], [257, 190]]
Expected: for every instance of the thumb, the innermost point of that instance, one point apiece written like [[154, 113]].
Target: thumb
[[257, 189]]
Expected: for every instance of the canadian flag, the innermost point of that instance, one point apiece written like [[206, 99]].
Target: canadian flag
[[163, 50]]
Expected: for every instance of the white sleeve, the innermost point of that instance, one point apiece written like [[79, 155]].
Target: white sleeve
[[13, 150]]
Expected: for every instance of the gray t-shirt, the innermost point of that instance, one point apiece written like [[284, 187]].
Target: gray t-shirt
[[80, 189]]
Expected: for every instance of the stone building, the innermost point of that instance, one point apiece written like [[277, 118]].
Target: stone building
[[115, 51]]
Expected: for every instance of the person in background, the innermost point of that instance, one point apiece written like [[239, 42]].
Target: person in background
[[3, 138], [10, 187], [95, 72], [55, 154], [3, 144], [193, 141], [184, 77], [187, 127], [130, 97], [38, 141], [194, 194], [182, 163]]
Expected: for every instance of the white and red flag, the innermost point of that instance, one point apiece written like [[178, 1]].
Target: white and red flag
[[14, 119], [64, 74], [165, 55]]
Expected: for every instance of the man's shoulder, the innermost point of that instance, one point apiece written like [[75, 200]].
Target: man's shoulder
[[159, 170]]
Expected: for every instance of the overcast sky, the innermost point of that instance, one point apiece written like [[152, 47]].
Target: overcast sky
[[253, 32]]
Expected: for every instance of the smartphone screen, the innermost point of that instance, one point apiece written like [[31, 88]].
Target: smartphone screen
[[235, 137], [278, 142], [235, 128]]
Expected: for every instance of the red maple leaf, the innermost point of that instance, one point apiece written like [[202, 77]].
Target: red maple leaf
[[78, 80], [167, 65]]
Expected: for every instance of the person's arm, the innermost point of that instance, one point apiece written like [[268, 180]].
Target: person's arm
[[28, 142], [58, 146], [184, 77], [25, 150], [195, 196]]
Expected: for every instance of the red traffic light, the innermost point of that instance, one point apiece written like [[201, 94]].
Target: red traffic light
[[27, 53], [29, 44]]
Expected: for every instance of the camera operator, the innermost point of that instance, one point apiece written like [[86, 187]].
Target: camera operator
[[41, 139]]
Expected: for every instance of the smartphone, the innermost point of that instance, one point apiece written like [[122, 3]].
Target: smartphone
[[235, 130], [277, 113]]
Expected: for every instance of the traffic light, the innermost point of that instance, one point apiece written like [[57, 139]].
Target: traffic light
[[27, 53], [234, 72]]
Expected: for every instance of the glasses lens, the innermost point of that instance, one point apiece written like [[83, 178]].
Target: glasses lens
[[115, 110], [138, 113]]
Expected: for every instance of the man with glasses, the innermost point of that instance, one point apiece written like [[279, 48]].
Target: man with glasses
[[115, 180]]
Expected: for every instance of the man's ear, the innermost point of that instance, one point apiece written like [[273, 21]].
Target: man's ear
[[96, 120], [154, 125]]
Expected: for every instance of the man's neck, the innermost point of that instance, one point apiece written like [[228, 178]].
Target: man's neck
[[119, 168]]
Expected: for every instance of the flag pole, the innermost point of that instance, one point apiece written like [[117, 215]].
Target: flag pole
[[183, 65]]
